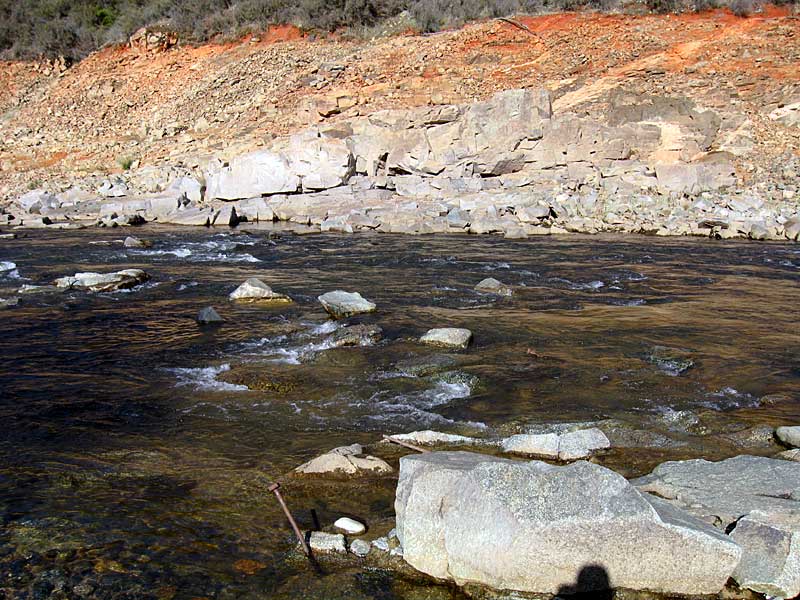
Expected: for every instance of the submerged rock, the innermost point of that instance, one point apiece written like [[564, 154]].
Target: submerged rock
[[356, 335], [534, 527], [347, 460], [340, 304], [448, 337], [490, 285], [673, 361], [208, 315], [255, 290], [770, 546], [8, 302], [104, 282]]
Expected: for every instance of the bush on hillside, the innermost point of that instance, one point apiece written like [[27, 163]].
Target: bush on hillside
[[73, 28]]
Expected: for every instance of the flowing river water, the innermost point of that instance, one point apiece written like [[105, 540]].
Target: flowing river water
[[136, 447]]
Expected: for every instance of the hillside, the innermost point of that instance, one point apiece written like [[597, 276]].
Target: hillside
[[127, 106]]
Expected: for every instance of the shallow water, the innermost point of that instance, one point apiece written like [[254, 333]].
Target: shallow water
[[137, 446]]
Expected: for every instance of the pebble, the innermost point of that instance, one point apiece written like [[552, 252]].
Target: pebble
[[360, 548], [382, 544], [209, 315], [350, 526]]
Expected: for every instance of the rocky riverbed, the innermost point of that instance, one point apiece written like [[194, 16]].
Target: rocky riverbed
[[140, 443]]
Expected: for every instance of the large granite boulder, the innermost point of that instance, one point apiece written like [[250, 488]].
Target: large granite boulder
[[533, 527], [255, 174]]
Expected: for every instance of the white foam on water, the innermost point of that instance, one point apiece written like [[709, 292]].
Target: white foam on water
[[729, 398], [325, 328], [205, 379], [186, 286]]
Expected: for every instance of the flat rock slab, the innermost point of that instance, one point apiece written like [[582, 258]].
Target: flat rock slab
[[721, 492], [448, 337], [534, 527], [255, 290], [429, 437], [567, 446], [321, 541], [340, 304], [770, 546], [103, 282]]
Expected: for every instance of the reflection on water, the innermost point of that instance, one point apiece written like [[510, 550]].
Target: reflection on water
[[136, 446]]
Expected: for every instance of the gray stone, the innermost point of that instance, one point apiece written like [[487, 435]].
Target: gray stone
[[544, 444], [188, 187], [189, 216], [34, 201], [789, 435], [340, 304], [360, 548], [255, 290], [255, 174], [534, 527], [721, 492], [103, 282], [581, 443], [770, 544], [208, 315], [490, 285], [321, 541], [448, 337]]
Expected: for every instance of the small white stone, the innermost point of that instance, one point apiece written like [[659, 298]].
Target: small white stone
[[381, 544], [350, 526], [449, 337]]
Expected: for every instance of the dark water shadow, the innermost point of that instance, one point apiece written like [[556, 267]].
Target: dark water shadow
[[592, 583]]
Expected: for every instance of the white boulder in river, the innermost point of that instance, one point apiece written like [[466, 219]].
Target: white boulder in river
[[104, 282], [255, 290], [340, 304], [448, 337], [534, 527], [567, 446]]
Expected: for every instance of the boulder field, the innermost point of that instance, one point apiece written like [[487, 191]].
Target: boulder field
[[509, 165]]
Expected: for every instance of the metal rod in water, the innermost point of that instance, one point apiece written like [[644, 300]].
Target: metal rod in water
[[275, 488]]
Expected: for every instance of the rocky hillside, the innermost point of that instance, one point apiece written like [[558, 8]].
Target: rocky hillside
[[678, 105]]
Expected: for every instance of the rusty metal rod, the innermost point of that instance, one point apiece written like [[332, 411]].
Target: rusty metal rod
[[275, 488], [389, 438]]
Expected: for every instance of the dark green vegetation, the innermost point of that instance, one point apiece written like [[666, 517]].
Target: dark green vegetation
[[73, 28]]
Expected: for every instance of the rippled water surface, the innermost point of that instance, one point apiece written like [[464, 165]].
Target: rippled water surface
[[136, 446]]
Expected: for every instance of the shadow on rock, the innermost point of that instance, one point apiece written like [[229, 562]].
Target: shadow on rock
[[592, 583]]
